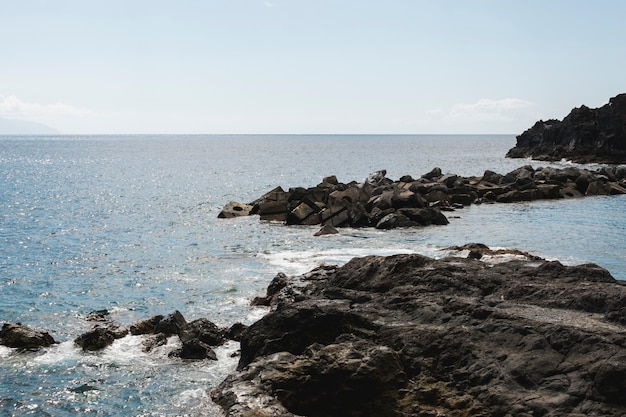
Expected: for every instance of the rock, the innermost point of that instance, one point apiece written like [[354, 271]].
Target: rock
[[331, 179], [194, 349], [204, 331], [100, 337], [376, 178], [408, 335], [386, 204], [23, 337], [327, 229], [235, 331], [585, 135], [395, 220], [433, 174], [491, 177], [272, 206], [171, 324], [153, 341], [350, 377], [146, 326], [235, 209]]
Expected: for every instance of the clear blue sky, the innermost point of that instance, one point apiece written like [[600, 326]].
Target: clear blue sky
[[307, 66]]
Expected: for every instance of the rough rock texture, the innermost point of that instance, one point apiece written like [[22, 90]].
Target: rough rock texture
[[407, 335], [385, 204], [23, 337], [196, 336], [585, 135], [100, 337]]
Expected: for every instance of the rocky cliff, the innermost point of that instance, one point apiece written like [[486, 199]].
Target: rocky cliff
[[585, 135], [408, 335]]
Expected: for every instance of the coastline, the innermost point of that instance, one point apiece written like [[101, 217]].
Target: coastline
[[410, 335]]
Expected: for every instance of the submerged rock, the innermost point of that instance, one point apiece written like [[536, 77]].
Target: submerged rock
[[408, 335]]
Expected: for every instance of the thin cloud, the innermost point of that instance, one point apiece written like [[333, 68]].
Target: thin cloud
[[504, 110], [13, 107]]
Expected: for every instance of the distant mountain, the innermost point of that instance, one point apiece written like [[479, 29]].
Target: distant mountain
[[21, 127]]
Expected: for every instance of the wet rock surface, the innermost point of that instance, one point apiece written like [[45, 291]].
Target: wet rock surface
[[585, 135], [197, 337], [19, 336], [386, 204], [406, 335]]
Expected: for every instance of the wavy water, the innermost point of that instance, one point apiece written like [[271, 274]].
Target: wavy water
[[128, 224]]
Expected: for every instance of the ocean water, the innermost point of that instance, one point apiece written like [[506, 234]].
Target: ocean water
[[128, 224]]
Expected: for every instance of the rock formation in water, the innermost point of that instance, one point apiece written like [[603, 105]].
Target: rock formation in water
[[197, 337], [385, 204], [408, 335], [16, 335], [585, 135]]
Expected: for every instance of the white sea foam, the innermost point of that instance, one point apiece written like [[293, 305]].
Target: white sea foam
[[300, 262], [5, 352], [62, 352]]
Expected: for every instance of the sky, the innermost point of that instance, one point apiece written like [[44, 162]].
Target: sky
[[306, 66]]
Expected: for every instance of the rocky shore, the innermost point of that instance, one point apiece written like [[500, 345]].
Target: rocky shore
[[483, 333], [491, 333], [585, 135], [385, 204]]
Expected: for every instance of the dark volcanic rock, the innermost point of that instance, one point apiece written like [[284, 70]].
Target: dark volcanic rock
[[196, 336], [585, 135], [385, 204], [23, 337], [100, 337], [408, 335]]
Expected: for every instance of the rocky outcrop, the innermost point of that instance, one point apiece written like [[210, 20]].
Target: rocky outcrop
[[100, 337], [196, 336], [585, 135], [385, 204], [23, 337], [408, 335]]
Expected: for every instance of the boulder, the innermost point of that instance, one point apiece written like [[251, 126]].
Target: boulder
[[203, 330], [100, 337], [23, 337], [235, 209], [146, 326], [395, 220], [194, 349], [172, 324], [196, 336], [376, 178], [327, 229]]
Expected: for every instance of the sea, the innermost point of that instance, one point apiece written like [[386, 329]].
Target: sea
[[127, 226]]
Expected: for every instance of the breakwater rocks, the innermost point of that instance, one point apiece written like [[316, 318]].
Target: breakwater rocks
[[196, 337], [385, 204], [585, 135], [408, 335]]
